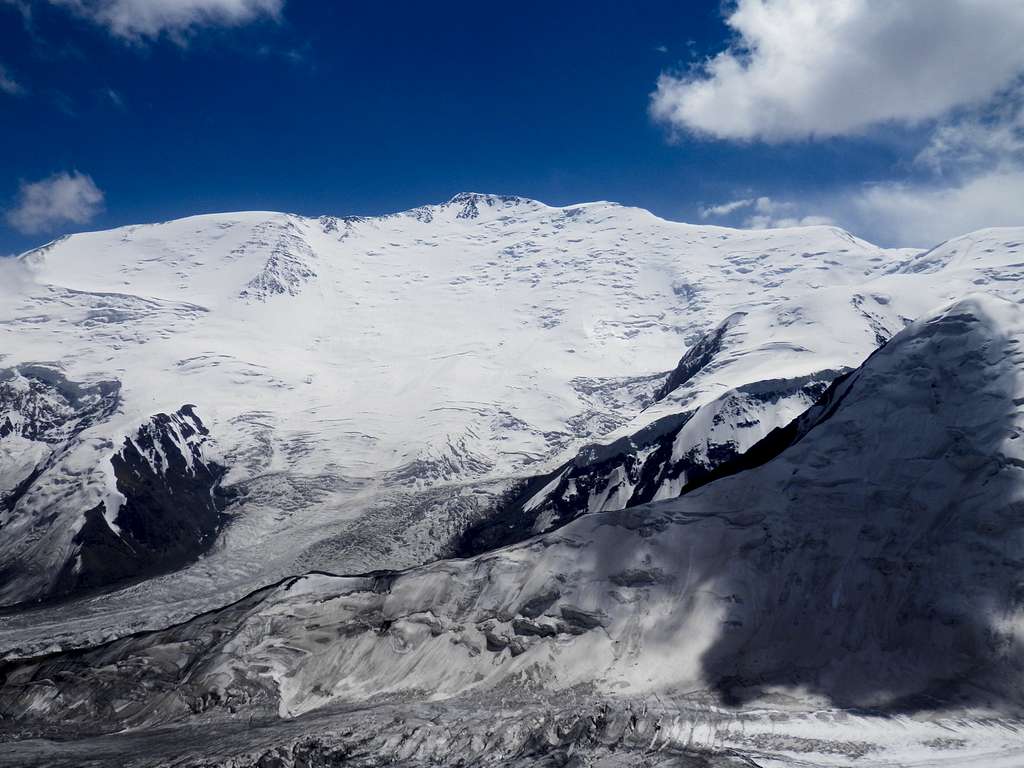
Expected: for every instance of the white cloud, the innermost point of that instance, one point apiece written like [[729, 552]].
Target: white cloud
[[765, 213], [8, 84], [806, 68], [923, 215], [898, 214], [15, 278], [802, 69], [61, 198], [773, 222], [724, 209], [139, 20]]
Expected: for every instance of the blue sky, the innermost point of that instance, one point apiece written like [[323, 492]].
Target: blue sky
[[126, 111]]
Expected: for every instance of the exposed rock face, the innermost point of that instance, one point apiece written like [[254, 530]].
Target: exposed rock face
[[45, 419], [171, 512], [154, 506], [39, 403]]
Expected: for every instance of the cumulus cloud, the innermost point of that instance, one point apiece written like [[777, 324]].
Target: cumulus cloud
[[140, 20], [819, 68], [62, 198], [8, 84], [806, 69]]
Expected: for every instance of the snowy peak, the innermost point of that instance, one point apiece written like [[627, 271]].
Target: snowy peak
[[289, 266], [204, 260], [470, 205]]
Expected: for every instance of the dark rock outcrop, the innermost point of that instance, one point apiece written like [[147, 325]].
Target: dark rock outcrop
[[171, 513]]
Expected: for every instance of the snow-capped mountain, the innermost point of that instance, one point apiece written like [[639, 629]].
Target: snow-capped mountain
[[865, 556], [369, 393], [692, 483], [369, 388]]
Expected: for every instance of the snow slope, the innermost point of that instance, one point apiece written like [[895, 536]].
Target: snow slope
[[371, 385], [868, 558], [375, 386], [756, 370]]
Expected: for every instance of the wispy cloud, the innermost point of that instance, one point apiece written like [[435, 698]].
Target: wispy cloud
[[146, 20], [724, 209], [113, 97], [23, 7], [8, 84], [765, 213], [895, 213], [59, 199], [771, 214], [973, 140], [926, 214], [974, 164]]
